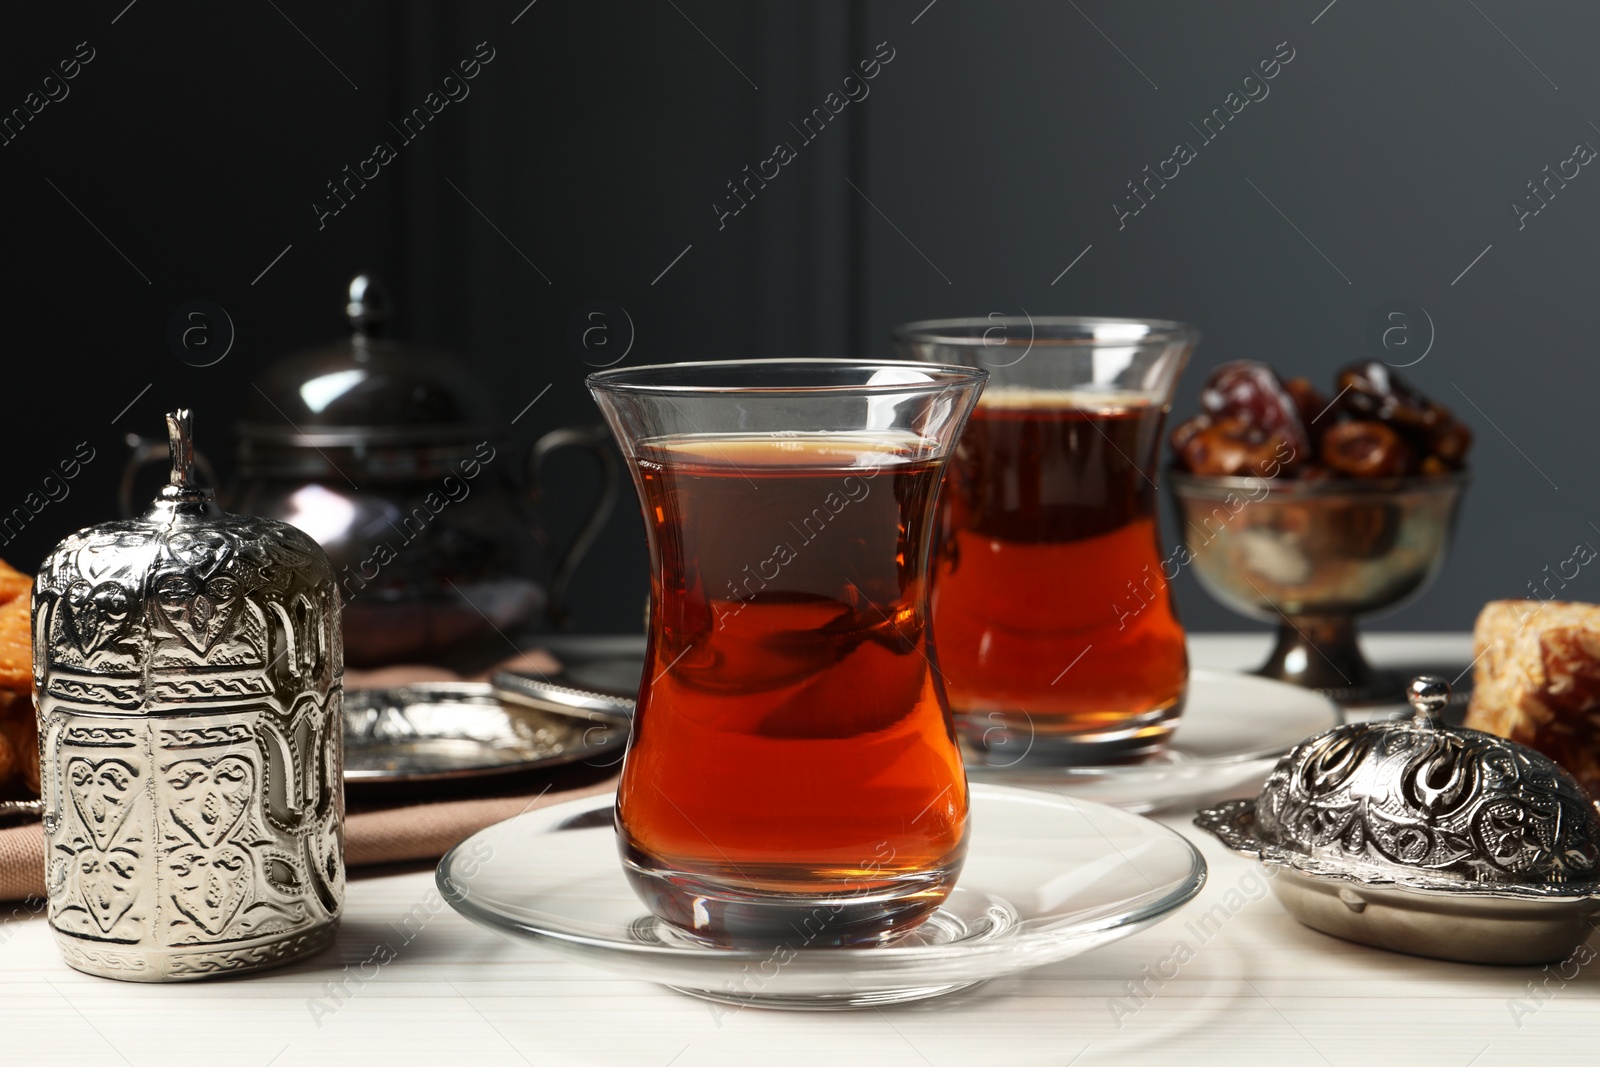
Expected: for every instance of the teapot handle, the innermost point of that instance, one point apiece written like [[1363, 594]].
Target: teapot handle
[[596, 440], [146, 451]]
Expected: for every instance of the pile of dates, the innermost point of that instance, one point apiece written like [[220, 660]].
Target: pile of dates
[[1377, 426]]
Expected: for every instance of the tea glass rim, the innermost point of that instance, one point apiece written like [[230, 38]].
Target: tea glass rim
[[937, 377], [948, 331]]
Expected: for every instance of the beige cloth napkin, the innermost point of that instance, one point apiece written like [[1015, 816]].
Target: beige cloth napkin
[[386, 835], [22, 862]]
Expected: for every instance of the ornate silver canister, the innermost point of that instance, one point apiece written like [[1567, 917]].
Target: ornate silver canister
[[189, 673]]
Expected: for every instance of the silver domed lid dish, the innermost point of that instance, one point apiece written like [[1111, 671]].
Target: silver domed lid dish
[[1425, 838]]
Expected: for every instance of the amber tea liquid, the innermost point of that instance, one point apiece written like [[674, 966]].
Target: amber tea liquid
[[1054, 621], [792, 774]]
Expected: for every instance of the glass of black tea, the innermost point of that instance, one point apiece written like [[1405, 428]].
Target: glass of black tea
[[793, 774], [1057, 631]]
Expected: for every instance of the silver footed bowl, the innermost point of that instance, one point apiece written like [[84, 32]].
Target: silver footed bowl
[[1313, 557]]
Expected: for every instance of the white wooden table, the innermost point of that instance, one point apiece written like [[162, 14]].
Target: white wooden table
[[1259, 989]]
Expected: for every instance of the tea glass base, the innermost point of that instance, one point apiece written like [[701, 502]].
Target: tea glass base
[[719, 914], [970, 919], [997, 739], [1324, 654], [827, 1001]]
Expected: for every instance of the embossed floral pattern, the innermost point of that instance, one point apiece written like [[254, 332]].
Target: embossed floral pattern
[[1460, 804], [190, 690]]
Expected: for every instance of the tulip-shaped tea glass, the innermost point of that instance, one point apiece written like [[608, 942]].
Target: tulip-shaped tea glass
[[793, 773], [1057, 632]]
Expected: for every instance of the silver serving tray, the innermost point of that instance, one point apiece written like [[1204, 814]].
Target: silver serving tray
[[445, 731], [16, 811]]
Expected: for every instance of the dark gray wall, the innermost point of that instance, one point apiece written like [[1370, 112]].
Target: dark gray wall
[[1395, 142], [987, 156]]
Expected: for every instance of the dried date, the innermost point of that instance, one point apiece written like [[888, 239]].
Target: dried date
[[1236, 446], [1309, 403], [1250, 390], [1365, 449]]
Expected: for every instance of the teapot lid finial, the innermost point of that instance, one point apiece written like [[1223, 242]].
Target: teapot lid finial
[[366, 305]]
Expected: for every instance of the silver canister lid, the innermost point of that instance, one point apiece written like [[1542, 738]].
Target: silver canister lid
[[1420, 837]]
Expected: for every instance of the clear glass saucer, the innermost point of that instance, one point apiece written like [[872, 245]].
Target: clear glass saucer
[[1233, 730], [1046, 877]]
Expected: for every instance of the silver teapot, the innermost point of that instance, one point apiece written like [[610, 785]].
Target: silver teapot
[[390, 458]]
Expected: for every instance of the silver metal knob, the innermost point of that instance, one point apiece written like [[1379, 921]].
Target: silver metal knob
[[1429, 696], [366, 305], [180, 437]]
